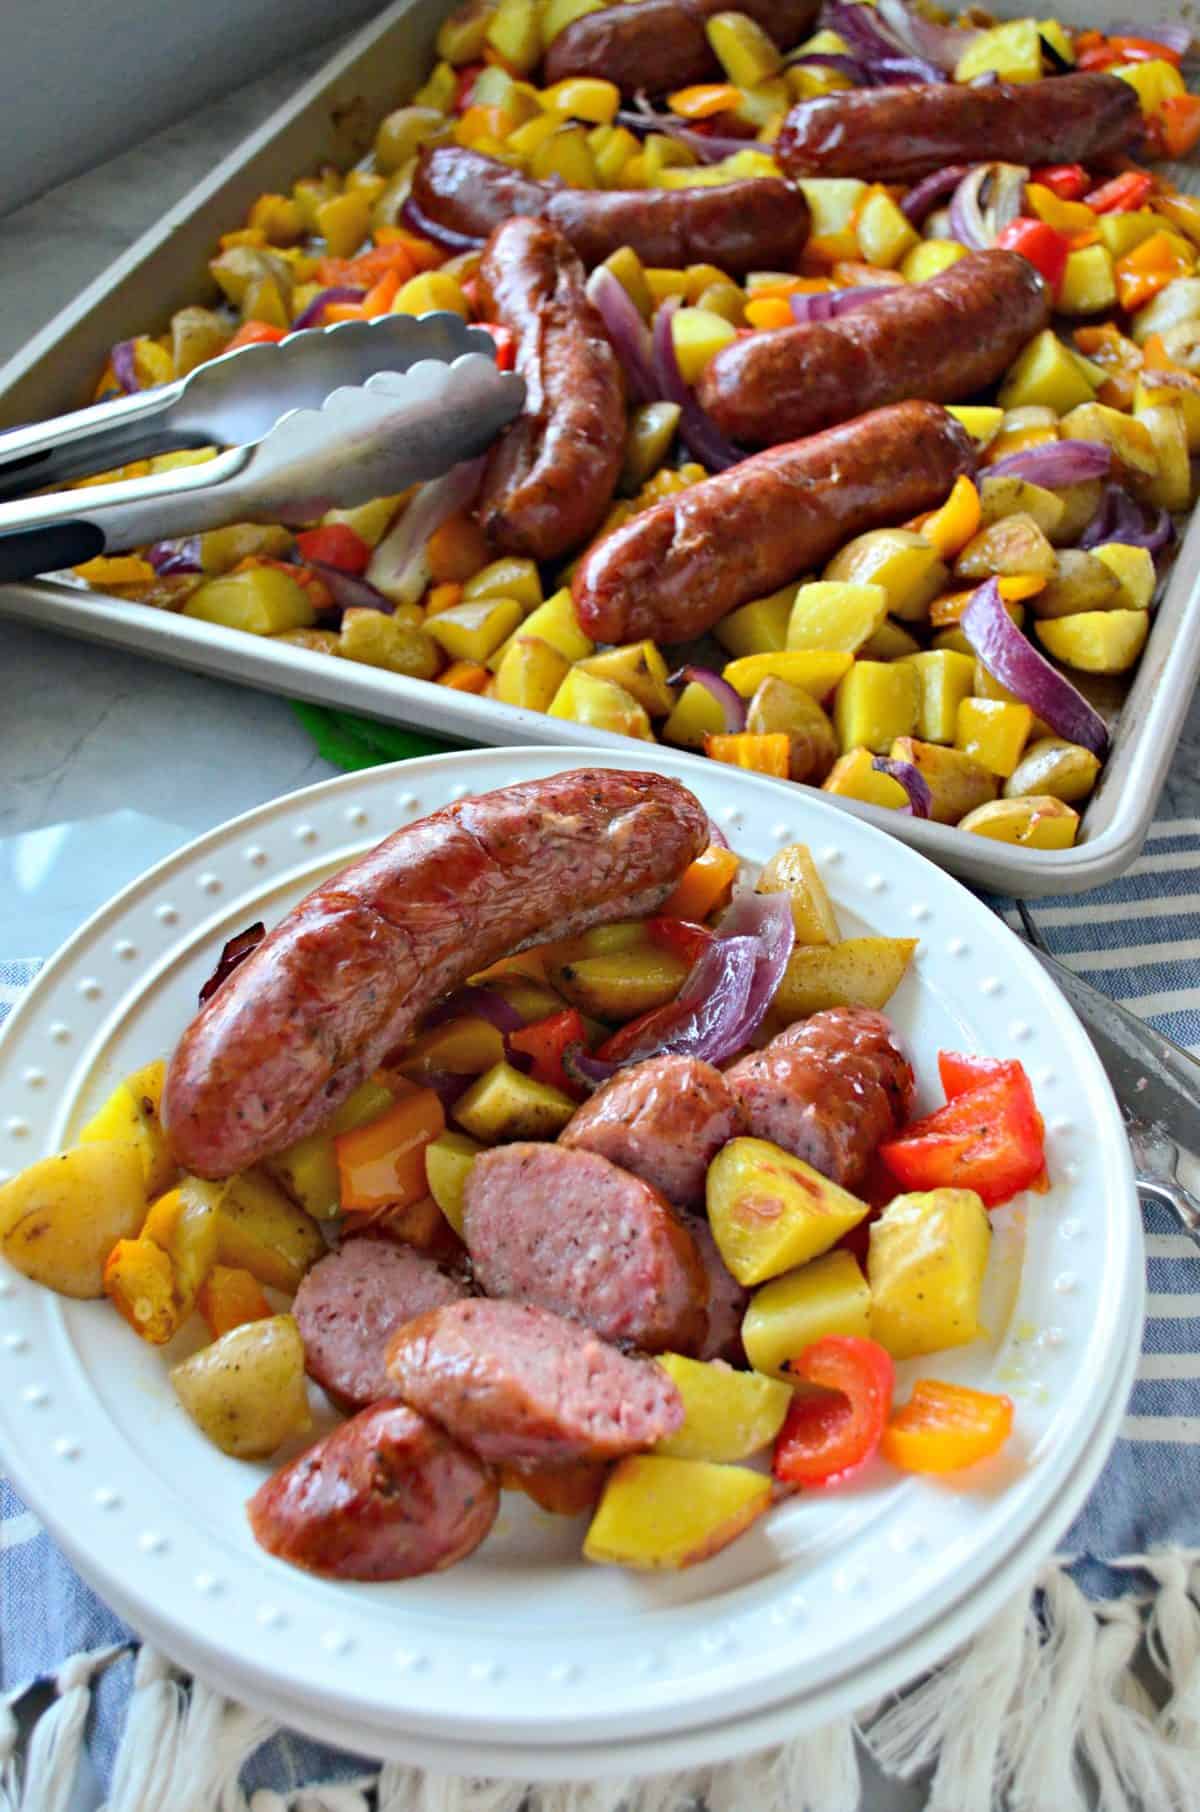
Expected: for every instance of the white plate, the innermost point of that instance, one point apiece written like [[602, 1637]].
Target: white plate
[[524, 1649]]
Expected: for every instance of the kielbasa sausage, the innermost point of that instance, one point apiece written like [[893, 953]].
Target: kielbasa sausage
[[654, 45], [664, 1120]]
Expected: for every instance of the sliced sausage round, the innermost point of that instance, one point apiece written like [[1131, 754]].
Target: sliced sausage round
[[828, 1092], [521, 1386], [351, 1303], [386, 1496], [573, 1233], [664, 1120]]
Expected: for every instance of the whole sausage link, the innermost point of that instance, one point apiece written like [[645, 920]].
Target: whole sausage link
[[653, 45], [676, 569]]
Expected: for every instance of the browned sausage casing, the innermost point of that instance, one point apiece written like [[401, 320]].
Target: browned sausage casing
[[387, 1495], [552, 476], [654, 45], [348, 973], [664, 1120], [738, 225], [676, 569], [901, 134], [944, 339]]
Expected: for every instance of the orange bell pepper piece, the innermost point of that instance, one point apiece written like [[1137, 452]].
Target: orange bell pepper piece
[[423, 254], [950, 528], [704, 100], [255, 333], [465, 676], [1180, 118], [1123, 195], [140, 1284], [229, 1297], [769, 754], [379, 298], [382, 1163], [769, 311], [851, 273], [944, 1427], [442, 597], [1148, 268], [365, 270], [456, 550], [704, 887]]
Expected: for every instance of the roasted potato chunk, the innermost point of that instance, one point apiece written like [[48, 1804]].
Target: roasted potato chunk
[[857, 972], [60, 1218], [658, 1512], [246, 1391], [770, 1211], [727, 1415]]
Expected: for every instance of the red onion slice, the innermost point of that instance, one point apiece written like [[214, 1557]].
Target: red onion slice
[[1121, 518], [628, 332], [920, 799], [697, 429], [123, 360], [924, 196], [232, 956], [716, 834], [398, 566], [731, 703], [419, 222], [478, 1002], [448, 1087], [767, 917], [986, 199], [348, 590], [181, 556], [863, 29], [827, 304], [1017, 664], [1057, 463], [708, 147], [312, 315], [852, 67], [942, 45]]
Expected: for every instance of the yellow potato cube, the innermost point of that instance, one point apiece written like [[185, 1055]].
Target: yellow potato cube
[[727, 1415], [504, 1105], [759, 627], [992, 733], [831, 614], [620, 983], [61, 1217], [1012, 51], [925, 1266], [770, 1211], [944, 679], [929, 258], [530, 674], [855, 776], [471, 631], [746, 54], [857, 972], [1089, 282], [612, 157], [1037, 822], [1045, 372], [891, 642], [815, 671], [828, 1296], [130, 1117], [1172, 389], [640, 669], [567, 156], [515, 31], [792, 871], [1122, 233], [462, 36], [658, 1512], [697, 714], [1154, 81], [510, 577], [875, 703], [343, 223], [246, 1391], [1012, 547], [982, 421], [1171, 487], [904, 563], [698, 336], [261, 1231], [259, 601], [885, 235], [1130, 441], [429, 291], [553, 622], [1050, 766], [379, 640], [448, 1161], [1177, 303], [584, 699], [1134, 570], [1096, 641], [439, 90], [833, 202], [957, 781], [652, 429], [1000, 497], [403, 133]]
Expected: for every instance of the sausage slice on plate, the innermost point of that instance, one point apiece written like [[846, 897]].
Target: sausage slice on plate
[[664, 1120]]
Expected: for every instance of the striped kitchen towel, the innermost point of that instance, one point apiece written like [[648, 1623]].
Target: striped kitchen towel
[[1097, 1672]]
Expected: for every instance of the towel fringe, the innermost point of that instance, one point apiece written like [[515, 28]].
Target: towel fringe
[[1046, 1698]]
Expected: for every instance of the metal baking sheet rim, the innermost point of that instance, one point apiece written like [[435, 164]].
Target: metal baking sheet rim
[[161, 271]]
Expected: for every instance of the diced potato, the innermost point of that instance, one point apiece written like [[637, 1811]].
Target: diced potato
[[461, 37], [585, 699], [1096, 641], [759, 627], [792, 871], [510, 577], [474, 629], [901, 561], [1037, 822], [833, 203], [458, 1047], [246, 1391], [1134, 571], [587, 98], [558, 14], [530, 674], [1082, 582], [652, 428], [1171, 487], [620, 984], [404, 131], [1045, 372], [727, 1415], [698, 337], [1014, 545], [640, 669], [875, 703], [1173, 389], [1063, 770], [1011, 496], [567, 157], [855, 776], [515, 31], [925, 1266], [260, 1230], [982, 421], [885, 235], [992, 733], [857, 972], [812, 746], [505, 1105], [197, 334], [890, 642], [929, 258], [1089, 282], [828, 1296], [1178, 302], [658, 1512], [944, 679], [130, 1116], [553, 622], [242, 268], [957, 780], [440, 89], [448, 1161], [746, 54], [1155, 80], [1130, 441], [815, 670], [770, 1211], [343, 222], [834, 614], [221, 549], [724, 299], [1012, 51], [308, 1171], [259, 601], [61, 1217], [697, 714], [1080, 503], [1122, 233], [379, 640]]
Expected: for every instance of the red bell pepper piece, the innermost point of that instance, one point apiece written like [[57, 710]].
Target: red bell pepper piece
[[960, 1071], [680, 936], [545, 1041], [1123, 195], [506, 343], [826, 1439], [1045, 247], [335, 544], [1068, 181], [1179, 116], [989, 1136]]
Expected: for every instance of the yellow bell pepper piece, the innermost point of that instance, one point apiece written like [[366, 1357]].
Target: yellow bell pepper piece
[[698, 336], [950, 528], [343, 224], [1068, 217], [583, 98]]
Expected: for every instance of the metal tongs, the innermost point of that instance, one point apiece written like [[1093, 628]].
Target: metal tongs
[[325, 419]]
